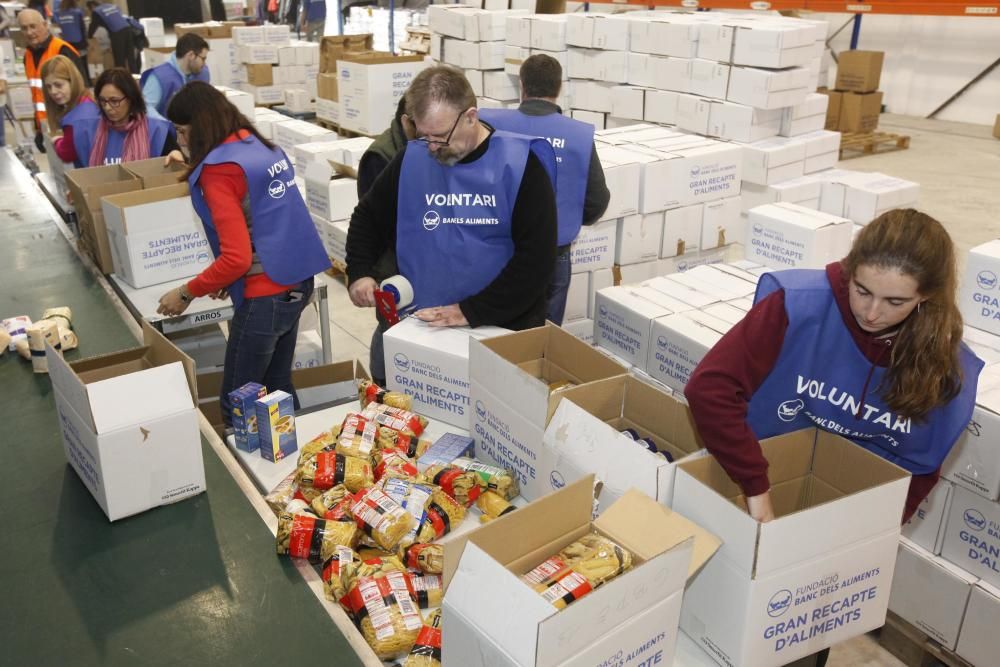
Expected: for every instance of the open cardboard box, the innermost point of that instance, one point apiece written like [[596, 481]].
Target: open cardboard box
[[129, 426], [818, 574], [585, 437], [86, 187], [510, 392], [153, 174], [478, 626]]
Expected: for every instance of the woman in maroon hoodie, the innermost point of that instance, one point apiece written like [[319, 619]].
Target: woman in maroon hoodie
[[870, 349]]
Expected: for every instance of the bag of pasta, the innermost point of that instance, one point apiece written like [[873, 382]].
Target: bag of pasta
[[557, 566], [358, 437], [281, 494], [369, 392], [426, 651], [381, 518], [335, 568], [493, 506], [328, 469], [305, 536], [323, 442], [394, 464], [414, 497], [427, 590], [461, 485], [404, 421], [411, 446], [596, 568], [427, 558], [495, 479], [331, 499], [383, 608], [443, 515]]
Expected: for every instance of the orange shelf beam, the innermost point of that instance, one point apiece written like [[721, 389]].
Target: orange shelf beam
[[941, 8]]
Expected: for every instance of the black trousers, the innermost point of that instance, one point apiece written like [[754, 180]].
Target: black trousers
[[122, 49]]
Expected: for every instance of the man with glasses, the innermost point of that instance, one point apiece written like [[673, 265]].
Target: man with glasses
[[471, 212], [42, 46], [581, 191], [186, 64]]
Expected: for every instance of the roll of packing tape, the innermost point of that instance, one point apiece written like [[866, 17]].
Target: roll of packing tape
[[400, 289], [40, 333]]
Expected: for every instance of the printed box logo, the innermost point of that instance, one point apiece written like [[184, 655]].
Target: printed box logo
[[779, 603], [557, 480], [758, 228], [974, 519], [401, 361], [481, 411], [986, 280], [661, 342], [695, 171], [603, 310]]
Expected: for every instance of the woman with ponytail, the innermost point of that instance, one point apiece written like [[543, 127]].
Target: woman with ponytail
[[880, 329], [124, 132]]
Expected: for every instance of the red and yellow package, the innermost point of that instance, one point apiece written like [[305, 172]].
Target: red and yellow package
[[462, 485], [328, 469], [404, 421], [427, 558], [426, 651], [395, 464], [305, 536], [381, 518], [385, 612]]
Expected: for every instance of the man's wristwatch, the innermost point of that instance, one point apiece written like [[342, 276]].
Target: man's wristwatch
[[183, 293]]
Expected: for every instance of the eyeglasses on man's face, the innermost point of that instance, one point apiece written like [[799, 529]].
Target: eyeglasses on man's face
[[427, 138]]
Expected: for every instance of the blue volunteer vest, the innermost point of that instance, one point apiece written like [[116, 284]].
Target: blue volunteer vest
[[283, 234], [820, 375], [315, 10], [113, 19], [71, 24], [159, 130], [171, 80], [460, 217], [83, 119], [573, 143]]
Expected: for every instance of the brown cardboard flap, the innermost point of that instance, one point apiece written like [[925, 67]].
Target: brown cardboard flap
[[109, 366], [603, 398], [150, 195], [210, 384], [378, 58], [153, 174], [850, 468], [789, 456], [708, 471]]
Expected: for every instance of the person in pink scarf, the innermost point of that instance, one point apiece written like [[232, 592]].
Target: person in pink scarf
[[124, 131]]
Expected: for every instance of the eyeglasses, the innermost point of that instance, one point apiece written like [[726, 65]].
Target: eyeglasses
[[447, 139], [113, 102]]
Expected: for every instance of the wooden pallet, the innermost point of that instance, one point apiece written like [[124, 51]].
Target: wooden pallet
[[869, 143], [347, 134], [913, 647]]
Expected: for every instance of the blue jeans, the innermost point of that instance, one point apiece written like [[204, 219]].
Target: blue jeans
[[559, 287], [262, 343]]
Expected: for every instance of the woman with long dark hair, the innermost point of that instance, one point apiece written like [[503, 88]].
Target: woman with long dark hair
[[124, 132], [266, 247]]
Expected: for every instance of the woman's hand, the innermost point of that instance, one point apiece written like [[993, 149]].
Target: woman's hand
[[172, 304], [221, 294], [760, 507], [174, 156]]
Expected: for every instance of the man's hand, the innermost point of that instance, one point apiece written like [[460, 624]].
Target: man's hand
[[362, 292], [443, 316], [174, 156], [171, 303], [760, 507]]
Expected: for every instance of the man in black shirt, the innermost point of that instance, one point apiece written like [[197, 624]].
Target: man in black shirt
[[471, 213]]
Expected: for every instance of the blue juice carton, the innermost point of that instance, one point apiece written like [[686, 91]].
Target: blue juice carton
[[242, 401], [276, 425]]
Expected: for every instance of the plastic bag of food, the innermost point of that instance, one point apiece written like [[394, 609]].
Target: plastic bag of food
[[324, 442], [493, 505], [414, 497], [383, 519], [383, 607], [328, 469], [393, 463], [443, 515], [426, 651], [427, 558], [597, 564], [369, 392], [278, 499], [305, 536], [334, 569], [411, 446], [404, 421], [557, 566], [426, 589], [358, 437], [330, 499], [496, 479], [460, 484]]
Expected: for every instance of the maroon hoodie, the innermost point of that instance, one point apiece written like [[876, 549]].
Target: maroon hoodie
[[722, 385]]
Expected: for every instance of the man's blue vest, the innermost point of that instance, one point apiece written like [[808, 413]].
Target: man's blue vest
[[71, 23], [171, 80], [113, 18]]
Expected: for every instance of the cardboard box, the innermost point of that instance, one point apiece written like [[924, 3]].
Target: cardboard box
[[87, 186], [639, 238], [926, 527], [308, 350], [153, 174], [155, 235], [978, 639], [260, 75], [582, 329], [486, 585], [509, 377], [773, 160], [974, 462], [709, 79], [806, 117], [276, 426], [660, 106], [680, 342], [265, 94], [679, 177], [682, 228], [859, 71], [775, 591], [833, 109], [328, 194], [722, 224], [979, 297], [859, 112], [370, 88], [785, 236], [803, 191], [129, 426], [594, 30], [548, 32], [432, 365], [774, 44], [768, 89], [242, 402], [594, 247], [623, 324], [738, 122], [577, 297], [930, 593], [669, 35], [972, 535], [875, 194], [334, 47]]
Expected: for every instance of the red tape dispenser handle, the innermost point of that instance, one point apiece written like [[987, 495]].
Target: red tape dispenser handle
[[394, 294]]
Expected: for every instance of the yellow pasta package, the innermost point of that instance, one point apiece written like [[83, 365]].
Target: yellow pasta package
[[381, 518], [327, 469], [492, 478], [358, 437], [426, 589], [404, 421], [595, 567], [282, 494], [305, 536], [409, 445], [426, 651], [330, 499], [557, 566], [427, 558], [323, 442], [443, 515], [384, 609], [393, 463], [369, 392], [461, 485], [334, 569], [493, 506]]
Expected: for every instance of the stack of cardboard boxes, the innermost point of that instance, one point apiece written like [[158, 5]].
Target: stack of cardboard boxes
[[271, 66], [855, 101], [224, 61]]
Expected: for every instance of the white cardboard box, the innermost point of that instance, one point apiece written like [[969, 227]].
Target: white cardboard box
[[978, 640], [329, 195], [786, 236], [768, 89], [594, 30], [155, 235], [639, 238], [129, 425], [621, 174], [930, 593], [548, 32], [593, 117], [623, 324], [485, 587], [817, 575], [773, 160], [974, 461], [370, 92], [598, 280], [432, 365], [594, 247], [979, 297], [775, 45], [582, 329], [972, 535], [660, 106], [864, 202], [738, 122], [670, 35], [926, 527], [722, 224], [709, 78], [682, 228], [577, 297], [680, 342]]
